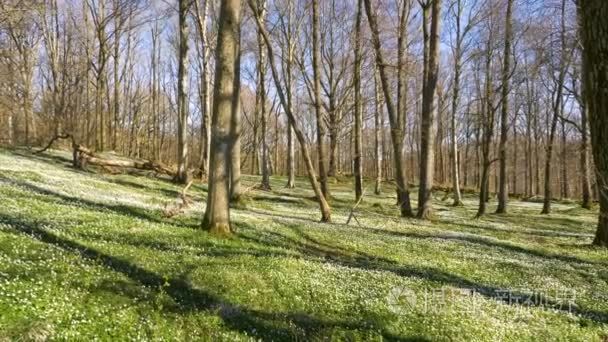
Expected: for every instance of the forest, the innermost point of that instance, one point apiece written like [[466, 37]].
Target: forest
[[284, 170]]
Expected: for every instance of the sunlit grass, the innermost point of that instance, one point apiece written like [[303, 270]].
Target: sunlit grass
[[85, 255]]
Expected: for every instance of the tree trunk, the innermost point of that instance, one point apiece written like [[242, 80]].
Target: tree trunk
[[117, 33], [594, 32], [316, 60], [324, 206], [487, 125], [503, 192], [429, 112], [225, 104], [291, 156], [182, 104], [201, 21], [378, 134], [557, 111], [565, 189], [155, 120], [455, 99], [261, 101], [235, 130], [395, 122], [358, 171], [586, 183]]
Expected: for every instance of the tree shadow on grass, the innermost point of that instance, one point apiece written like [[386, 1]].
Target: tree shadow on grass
[[170, 193], [458, 237], [119, 209], [534, 232], [489, 242], [43, 157], [276, 326], [311, 248], [560, 226]]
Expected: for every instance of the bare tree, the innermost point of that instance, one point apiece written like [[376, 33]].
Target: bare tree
[[225, 104], [358, 171], [395, 118], [261, 100], [316, 60], [432, 12], [324, 206], [182, 101], [201, 21], [557, 108], [503, 194]]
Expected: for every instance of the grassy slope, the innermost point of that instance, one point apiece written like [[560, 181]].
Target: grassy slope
[[84, 255]]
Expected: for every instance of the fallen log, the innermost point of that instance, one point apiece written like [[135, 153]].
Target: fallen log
[[82, 156], [133, 164]]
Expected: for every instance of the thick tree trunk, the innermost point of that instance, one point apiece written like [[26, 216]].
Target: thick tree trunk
[[225, 104], [429, 113], [503, 192], [487, 126], [594, 32]]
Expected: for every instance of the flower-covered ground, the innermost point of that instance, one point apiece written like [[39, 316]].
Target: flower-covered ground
[[89, 255]]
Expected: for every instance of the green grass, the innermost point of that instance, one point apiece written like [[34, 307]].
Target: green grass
[[85, 255]]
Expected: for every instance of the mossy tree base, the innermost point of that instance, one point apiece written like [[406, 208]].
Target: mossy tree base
[[217, 228]]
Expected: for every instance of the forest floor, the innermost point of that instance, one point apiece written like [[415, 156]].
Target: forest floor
[[87, 255]]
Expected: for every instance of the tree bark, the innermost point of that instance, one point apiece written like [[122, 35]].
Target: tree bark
[[201, 15], [503, 192], [594, 32], [261, 93], [378, 134], [584, 150], [455, 101], [429, 112], [225, 103], [557, 111], [316, 59], [182, 104], [395, 122], [487, 127], [358, 170], [323, 205]]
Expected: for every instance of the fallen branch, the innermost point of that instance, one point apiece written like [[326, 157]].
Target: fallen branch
[[351, 215], [83, 156], [86, 156], [55, 138], [180, 206]]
